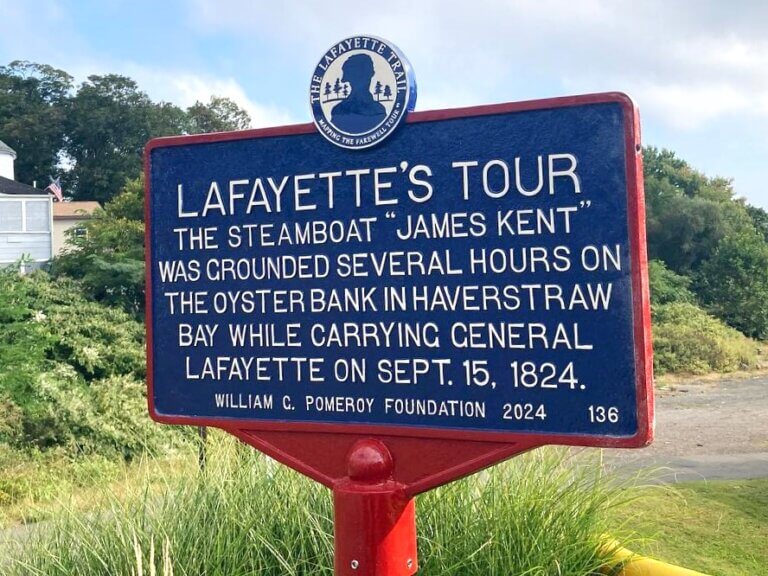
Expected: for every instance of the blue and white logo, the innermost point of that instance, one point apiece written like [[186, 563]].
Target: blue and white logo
[[361, 90]]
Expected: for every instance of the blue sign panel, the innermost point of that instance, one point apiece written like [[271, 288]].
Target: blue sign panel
[[481, 271]]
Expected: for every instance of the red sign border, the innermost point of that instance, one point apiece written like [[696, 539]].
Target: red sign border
[[639, 281]]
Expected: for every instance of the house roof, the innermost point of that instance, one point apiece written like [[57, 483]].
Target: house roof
[[8, 186], [75, 210], [7, 149]]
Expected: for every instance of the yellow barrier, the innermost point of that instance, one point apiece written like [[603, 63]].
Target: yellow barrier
[[631, 564]]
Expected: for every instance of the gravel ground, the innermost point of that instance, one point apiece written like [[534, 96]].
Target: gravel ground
[[707, 429]]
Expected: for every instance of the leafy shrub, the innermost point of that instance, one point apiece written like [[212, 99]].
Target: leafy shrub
[[71, 371], [10, 421], [687, 339], [96, 340], [119, 419]]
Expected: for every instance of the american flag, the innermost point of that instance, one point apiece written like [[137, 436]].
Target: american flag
[[55, 187]]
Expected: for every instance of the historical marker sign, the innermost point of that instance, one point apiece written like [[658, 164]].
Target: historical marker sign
[[479, 275], [388, 301]]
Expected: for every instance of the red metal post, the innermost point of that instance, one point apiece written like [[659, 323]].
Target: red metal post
[[374, 518]]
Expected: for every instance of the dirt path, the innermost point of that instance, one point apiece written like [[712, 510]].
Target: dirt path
[[707, 430]]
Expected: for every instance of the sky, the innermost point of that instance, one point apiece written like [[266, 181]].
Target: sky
[[698, 69]]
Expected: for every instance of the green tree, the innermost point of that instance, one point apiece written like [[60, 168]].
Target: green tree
[[667, 175], [167, 119], [688, 214], [759, 219], [668, 287], [108, 123], [219, 115], [733, 284], [109, 258], [99, 132], [33, 102], [686, 231]]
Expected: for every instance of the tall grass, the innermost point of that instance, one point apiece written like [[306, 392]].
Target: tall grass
[[540, 514]]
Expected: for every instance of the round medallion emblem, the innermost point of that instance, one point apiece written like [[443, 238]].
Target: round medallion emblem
[[361, 90]]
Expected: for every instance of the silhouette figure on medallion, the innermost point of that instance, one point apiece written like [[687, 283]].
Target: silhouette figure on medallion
[[359, 112]]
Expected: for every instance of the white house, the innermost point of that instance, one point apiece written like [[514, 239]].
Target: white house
[[26, 216]]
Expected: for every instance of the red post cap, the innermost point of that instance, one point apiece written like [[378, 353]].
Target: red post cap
[[369, 460]]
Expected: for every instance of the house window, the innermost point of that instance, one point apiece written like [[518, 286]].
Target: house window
[[37, 216], [80, 232], [11, 216]]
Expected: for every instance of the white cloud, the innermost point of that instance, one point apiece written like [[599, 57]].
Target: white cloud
[[691, 62], [689, 107], [656, 50], [184, 89], [697, 68], [49, 34]]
